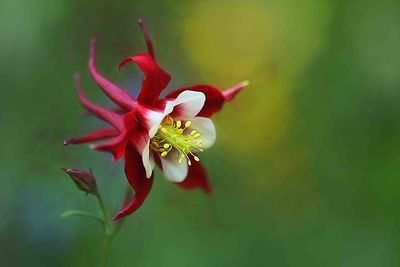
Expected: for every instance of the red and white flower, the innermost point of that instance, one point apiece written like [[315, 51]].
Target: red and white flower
[[149, 131]]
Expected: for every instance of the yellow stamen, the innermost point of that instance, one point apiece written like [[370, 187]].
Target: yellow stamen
[[171, 135]]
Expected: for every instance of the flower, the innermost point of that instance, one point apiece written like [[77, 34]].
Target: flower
[[148, 131]]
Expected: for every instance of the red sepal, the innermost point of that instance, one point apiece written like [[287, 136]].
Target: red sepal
[[117, 145], [93, 136], [196, 178], [116, 94], [104, 114], [155, 79], [146, 35], [215, 98], [136, 176]]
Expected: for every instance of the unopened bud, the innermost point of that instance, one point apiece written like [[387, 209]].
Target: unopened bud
[[84, 180]]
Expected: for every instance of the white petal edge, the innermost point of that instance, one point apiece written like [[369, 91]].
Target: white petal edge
[[190, 102], [206, 128], [172, 170], [148, 160], [154, 119]]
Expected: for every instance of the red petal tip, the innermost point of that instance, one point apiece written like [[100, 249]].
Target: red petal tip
[[93, 41], [245, 83], [92, 49], [147, 38], [207, 190], [77, 76], [230, 93], [115, 218], [124, 62]]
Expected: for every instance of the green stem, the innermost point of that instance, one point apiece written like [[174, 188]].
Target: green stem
[[107, 230], [103, 209], [105, 251], [110, 229]]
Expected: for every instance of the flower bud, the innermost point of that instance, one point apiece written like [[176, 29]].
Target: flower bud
[[85, 181]]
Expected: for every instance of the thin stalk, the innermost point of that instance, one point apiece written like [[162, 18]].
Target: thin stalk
[[107, 231], [105, 250], [110, 229]]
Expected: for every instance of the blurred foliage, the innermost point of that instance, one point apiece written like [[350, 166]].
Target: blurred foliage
[[306, 168]]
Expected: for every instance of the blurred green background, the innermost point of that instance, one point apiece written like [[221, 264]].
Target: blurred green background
[[305, 170]]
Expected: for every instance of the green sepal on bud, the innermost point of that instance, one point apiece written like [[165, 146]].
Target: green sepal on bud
[[84, 181]]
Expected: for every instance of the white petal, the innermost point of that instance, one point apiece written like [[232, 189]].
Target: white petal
[[153, 120], [148, 160], [172, 170], [187, 104], [206, 128]]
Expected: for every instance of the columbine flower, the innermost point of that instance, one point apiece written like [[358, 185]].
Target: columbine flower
[[169, 132]]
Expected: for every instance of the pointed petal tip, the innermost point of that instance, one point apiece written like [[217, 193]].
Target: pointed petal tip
[[245, 83], [207, 190], [93, 41], [115, 218], [77, 76], [229, 94], [66, 142], [124, 62], [149, 43], [92, 49]]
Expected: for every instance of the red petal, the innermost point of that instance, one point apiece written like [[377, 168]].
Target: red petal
[[136, 176], [231, 93], [116, 94], [197, 178], [214, 97], [109, 116], [155, 79], [147, 38], [93, 136], [117, 145]]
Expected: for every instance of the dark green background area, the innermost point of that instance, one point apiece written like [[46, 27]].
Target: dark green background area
[[305, 170]]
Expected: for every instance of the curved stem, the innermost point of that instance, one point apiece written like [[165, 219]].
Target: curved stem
[[81, 213]]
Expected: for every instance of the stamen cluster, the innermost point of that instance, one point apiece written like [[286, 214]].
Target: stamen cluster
[[171, 135]]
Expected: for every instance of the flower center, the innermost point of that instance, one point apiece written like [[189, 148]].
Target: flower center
[[171, 135]]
